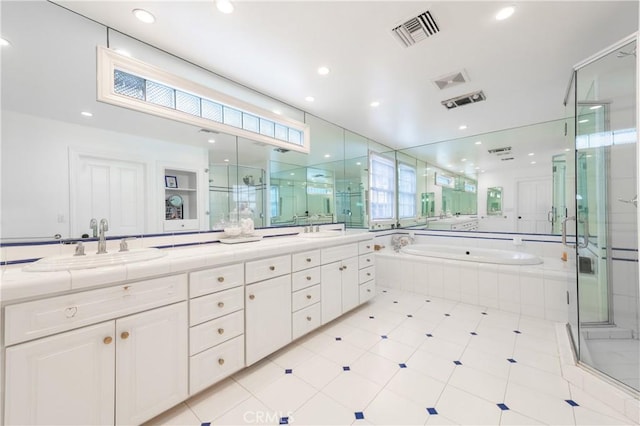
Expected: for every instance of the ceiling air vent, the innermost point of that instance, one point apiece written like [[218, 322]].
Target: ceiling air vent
[[281, 150], [500, 151], [469, 98], [416, 29], [506, 159], [450, 80]]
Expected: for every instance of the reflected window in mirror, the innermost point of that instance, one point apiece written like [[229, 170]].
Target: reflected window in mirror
[[428, 204], [382, 188], [494, 201], [406, 191]]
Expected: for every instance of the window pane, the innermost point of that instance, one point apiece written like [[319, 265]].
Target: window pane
[[128, 85], [295, 136], [282, 132], [211, 111], [267, 128], [160, 94], [250, 122], [232, 117], [188, 103]]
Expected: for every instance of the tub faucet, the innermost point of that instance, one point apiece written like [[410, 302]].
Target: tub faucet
[[102, 241]]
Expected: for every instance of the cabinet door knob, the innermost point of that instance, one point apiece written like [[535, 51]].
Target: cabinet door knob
[[124, 335], [221, 361], [344, 267], [272, 268], [308, 259], [368, 260], [368, 247], [308, 278], [308, 318], [220, 304], [220, 279], [221, 331], [368, 290], [308, 296], [252, 296], [341, 268], [107, 340], [368, 274]]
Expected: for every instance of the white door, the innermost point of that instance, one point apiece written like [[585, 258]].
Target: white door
[[108, 188], [350, 284], [268, 317], [151, 363], [331, 291], [66, 379], [534, 206]]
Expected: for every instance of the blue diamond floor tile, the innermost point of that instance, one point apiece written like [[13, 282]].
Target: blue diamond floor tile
[[359, 415], [432, 411], [338, 338], [457, 362], [346, 368], [288, 371], [503, 407], [429, 335], [511, 360], [403, 365], [571, 402], [284, 421]]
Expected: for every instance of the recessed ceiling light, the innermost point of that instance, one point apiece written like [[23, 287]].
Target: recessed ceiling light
[[224, 6], [449, 165], [375, 104], [86, 114], [596, 107], [477, 168], [327, 155], [461, 171], [123, 52], [589, 155], [309, 99], [567, 149], [586, 120], [144, 16], [428, 168], [462, 127], [358, 163], [533, 162], [504, 13], [226, 160], [482, 171], [463, 160], [479, 143], [531, 154], [211, 141], [292, 174], [277, 111], [323, 70], [4, 42]]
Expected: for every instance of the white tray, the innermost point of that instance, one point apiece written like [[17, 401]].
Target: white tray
[[240, 239]]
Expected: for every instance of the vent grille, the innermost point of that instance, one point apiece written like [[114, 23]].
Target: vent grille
[[505, 150], [416, 29], [506, 159], [450, 80], [469, 98]]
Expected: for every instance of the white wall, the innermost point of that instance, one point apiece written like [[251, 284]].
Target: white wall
[[35, 171]]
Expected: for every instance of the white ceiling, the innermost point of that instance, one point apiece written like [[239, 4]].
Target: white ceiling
[[523, 64]]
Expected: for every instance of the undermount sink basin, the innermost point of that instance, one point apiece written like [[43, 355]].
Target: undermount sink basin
[[320, 234], [88, 261]]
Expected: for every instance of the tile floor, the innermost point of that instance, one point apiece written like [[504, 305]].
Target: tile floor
[[404, 358], [617, 358]]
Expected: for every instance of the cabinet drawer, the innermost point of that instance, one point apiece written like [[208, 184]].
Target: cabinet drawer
[[307, 259], [365, 246], [366, 260], [306, 278], [367, 291], [215, 364], [181, 225], [215, 305], [334, 254], [30, 320], [214, 332], [216, 279], [303, 298], [264, 269], [305, 320], [367, 274]]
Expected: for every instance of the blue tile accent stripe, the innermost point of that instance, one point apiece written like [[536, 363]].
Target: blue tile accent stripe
[[502, 406], [206, 424], [288, 371], [571, 402], [359, 415], [432, 411]]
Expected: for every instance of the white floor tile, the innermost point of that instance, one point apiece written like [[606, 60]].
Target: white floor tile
[[393, 351], [513, 418], [416, 386], [467, 409], [180, 415], [539, 380], [341, 352], [216, 400], [363, 339], [290, 356], [288, 393], [318, 371], [443, 348], [438, 419], [478, 383], [432, 365], [352, 390], [259, 375], [322, 410], [539, 406], [388, 408], [375, 368], [491, 364], [251, 411]]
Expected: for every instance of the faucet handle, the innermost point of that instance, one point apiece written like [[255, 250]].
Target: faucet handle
[[79, 249], [123, 243], [104, 224]]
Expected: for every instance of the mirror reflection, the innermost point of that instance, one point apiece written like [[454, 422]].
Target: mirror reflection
[[494, 201]]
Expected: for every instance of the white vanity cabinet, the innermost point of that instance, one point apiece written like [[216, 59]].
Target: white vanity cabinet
[[181, 199], [367, 271], [305, 296], [216, 335], [267, 306], [122, 371], [340, 286]]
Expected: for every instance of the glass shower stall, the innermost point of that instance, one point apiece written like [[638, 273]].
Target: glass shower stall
[[604, 305]]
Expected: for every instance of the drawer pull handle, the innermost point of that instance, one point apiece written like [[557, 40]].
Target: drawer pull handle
[[124, 335], [341, 268], [308, 278], [221, 331], [220, 279], [220, 304], [344, 267], [272, 268], [368, 274], [107, 340], [252, 296], [221, 361], [308, 296], [308, 318], [368, 260], [368, 290], [126, 287], [308, 259], [368, 247], [71, 311]]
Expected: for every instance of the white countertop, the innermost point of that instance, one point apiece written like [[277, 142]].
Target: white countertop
[[15, 284]]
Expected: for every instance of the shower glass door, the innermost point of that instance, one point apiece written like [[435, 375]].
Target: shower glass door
[[606, 219]]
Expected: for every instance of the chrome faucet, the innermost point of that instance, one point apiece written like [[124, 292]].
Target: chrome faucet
[[102, 242], [93, 224]]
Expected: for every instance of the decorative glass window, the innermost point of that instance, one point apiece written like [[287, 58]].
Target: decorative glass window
[[407, 198], [382, 187], [133, 84], [274, 201]]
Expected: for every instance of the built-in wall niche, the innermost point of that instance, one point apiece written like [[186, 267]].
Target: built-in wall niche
[[180, 200]]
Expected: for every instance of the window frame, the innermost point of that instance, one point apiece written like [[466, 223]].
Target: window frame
[[374, 190], [410, 195]]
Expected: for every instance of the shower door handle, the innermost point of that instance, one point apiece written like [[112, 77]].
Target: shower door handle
[[550, 216], [564, 230], [585, 240]]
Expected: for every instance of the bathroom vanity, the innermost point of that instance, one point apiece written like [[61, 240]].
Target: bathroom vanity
[[154, 333]]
